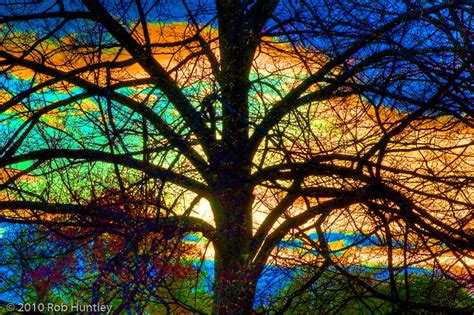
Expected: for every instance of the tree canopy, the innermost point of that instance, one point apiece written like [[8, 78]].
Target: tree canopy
[[238, 156]]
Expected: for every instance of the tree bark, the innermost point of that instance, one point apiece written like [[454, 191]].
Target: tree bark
[[235, 286], [235, 282]]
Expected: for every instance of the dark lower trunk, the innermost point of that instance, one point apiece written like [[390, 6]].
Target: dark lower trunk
[[234, 287], [234, 290]]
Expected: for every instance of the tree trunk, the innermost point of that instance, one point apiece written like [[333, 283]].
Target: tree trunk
[[234, 290], [234, 286]]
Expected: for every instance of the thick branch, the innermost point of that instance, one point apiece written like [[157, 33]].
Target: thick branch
[[119, 159], [162, 79], [176, 140]]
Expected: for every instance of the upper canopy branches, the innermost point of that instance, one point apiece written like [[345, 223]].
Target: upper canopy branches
[[319, 100]]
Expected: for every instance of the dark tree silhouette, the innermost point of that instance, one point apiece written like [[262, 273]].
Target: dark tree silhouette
[[291, 120]]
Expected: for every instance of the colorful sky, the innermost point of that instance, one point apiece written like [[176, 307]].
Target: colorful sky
[[279, 69]]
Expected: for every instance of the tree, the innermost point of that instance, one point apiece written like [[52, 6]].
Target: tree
[[290, 119]]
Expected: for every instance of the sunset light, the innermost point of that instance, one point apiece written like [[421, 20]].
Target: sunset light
[[236, 157]]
